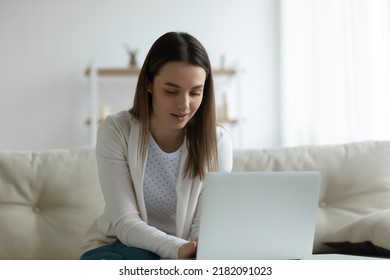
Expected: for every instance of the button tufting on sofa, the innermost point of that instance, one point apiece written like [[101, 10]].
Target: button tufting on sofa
[[323, 204], [36, 209], [48, 200]]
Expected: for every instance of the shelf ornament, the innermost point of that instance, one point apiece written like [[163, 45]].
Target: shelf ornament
[[133, 55]]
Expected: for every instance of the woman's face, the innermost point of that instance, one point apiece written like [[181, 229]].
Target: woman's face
[[177, 92]]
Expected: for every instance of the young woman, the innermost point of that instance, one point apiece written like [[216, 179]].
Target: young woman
[[153, 158]]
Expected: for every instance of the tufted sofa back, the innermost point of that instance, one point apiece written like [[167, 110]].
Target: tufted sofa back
[[355, 179], [48, 199]]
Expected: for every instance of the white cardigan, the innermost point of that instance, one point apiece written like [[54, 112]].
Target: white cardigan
[[121, 179]]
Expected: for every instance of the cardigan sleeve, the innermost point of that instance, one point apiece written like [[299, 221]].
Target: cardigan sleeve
[[118, 191], [225, 151]]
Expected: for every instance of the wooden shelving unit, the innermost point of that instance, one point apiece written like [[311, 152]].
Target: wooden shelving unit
[[133, 71], [94, 73]]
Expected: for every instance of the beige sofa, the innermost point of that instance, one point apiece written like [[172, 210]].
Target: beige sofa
[[48, 199]]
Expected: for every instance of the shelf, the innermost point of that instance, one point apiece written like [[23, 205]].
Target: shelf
[[134, 71], [130, 71], [224, 71], [223, 118], [227, 121]]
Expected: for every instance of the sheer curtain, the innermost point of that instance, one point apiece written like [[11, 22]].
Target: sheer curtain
[[335, 71]]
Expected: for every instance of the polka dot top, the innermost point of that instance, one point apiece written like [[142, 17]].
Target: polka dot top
[[160, 187]]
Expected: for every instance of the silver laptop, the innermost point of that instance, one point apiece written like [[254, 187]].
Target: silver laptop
[[258, 215]]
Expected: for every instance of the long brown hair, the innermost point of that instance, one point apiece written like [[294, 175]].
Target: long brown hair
[[201, 129]]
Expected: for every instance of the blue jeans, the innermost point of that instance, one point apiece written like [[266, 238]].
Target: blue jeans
[[119, 251]]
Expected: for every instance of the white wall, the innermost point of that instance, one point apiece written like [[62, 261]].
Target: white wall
[[46, 46]]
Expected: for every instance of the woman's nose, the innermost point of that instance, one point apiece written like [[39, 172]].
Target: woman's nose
[[183, 102]]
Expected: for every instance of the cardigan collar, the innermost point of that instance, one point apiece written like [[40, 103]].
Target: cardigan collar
[[183, 185]]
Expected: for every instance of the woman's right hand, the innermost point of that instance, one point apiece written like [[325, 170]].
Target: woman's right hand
[[188, 250]]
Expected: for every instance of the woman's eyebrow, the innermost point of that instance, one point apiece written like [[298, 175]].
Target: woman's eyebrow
[[171, 84], [177, 86]]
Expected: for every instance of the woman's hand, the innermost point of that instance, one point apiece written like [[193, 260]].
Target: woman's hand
[[188, 250]]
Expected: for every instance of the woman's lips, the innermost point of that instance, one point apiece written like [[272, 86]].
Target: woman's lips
[[180, 117]]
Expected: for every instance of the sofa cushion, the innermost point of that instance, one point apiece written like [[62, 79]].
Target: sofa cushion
[[355, 179], [368, 235], [48, 199]]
